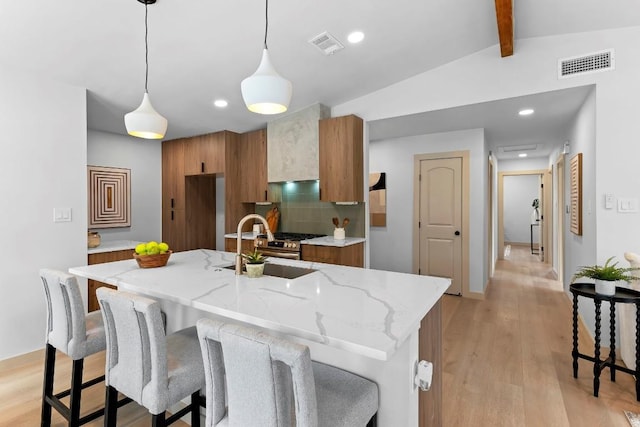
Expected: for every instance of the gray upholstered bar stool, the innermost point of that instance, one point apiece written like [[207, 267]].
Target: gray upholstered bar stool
[[155, 370], [263, 372], [74, 333]]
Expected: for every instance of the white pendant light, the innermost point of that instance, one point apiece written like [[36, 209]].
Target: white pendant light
[[144, 121], [266, 91]]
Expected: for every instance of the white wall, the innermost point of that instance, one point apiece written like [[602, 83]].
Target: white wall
[[391, 246], [43, 165], [144, 158], [485, 76], [518, 194]]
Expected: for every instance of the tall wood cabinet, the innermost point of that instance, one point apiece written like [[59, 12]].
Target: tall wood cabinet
[[204, 154], [341, 159], [173, 194]]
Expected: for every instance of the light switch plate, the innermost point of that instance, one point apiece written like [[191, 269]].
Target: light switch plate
[[609, 201], [61, 214], [627, 205]]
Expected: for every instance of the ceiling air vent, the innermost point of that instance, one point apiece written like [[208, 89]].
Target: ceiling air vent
[[586, 64], [326, 43]]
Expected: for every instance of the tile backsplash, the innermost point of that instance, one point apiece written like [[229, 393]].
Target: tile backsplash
[[302, 212]]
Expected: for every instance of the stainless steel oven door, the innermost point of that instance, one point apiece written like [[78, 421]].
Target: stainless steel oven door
[[279, 254]]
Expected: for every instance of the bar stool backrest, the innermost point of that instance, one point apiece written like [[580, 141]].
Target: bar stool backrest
[[136, 362], [66, 328]]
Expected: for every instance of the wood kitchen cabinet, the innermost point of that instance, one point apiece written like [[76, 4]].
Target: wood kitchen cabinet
[[205, 154], [230, 245], [174, 229], [99, 258], [352, 255], [173, 174], [341, 159], [252, 155]]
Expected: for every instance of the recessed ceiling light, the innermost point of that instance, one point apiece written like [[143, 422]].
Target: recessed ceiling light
[[220, 103], [355, 37], [526, 112], [522, 155]]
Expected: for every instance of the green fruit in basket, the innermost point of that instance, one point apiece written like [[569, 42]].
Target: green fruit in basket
[[163, 247], [141, 249], [153, 250], [152, 244]]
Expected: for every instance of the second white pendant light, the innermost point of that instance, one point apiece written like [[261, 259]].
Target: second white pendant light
[[144, 121], [266, 91]]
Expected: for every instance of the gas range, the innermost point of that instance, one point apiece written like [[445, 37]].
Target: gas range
[[285, 245]]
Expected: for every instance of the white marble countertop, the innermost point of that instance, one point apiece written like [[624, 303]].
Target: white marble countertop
[[247, 235], [363, 311], [330, 241], [112, 246]]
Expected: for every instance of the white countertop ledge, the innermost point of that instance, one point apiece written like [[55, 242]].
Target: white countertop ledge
[[330, 241], [114, 245], [363, 311], [247, 235]]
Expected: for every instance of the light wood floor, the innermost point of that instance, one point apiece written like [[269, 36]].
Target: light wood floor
[[507, 359], [507, 362]]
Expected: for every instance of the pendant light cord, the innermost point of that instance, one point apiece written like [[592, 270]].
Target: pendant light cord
[[266, 22], [146, 48]]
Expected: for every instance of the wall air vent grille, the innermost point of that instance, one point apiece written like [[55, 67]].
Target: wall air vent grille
[[585, 64], [326, 43]]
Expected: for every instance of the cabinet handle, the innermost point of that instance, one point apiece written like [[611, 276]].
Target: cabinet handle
[[202, 167], [172, 203], [265, 195], [171, 215], [320, 193]]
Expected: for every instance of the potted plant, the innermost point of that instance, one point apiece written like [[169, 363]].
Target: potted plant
[[606, 276], [254, 262], [535, 215]]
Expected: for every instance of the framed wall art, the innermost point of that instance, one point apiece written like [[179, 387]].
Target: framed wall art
[[109, 197], [575, 197], [378, 199]]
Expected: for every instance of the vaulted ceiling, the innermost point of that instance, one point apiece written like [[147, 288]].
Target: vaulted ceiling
[[200, 50]]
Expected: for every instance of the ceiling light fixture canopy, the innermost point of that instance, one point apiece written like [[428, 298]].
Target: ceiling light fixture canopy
[[144, 121], [266, 91]]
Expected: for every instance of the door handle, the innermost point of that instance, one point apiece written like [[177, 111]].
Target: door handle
[[457, 233]]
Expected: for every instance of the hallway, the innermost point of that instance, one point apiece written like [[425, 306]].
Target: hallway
[[507, 359]]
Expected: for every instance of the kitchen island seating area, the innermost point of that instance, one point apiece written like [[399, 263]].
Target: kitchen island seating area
[[154, 370], [264, 372], [75, 334]]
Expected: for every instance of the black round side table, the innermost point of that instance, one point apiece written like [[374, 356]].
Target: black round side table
[[622, 295]]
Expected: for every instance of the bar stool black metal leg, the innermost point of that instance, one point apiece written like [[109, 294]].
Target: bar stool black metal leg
[[111, 407], [47, 388], [596, 363], [574, 353], [158, 420], [612, 335], [76, 392], [195, 409]]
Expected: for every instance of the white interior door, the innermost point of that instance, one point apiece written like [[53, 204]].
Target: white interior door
[[440, 219]]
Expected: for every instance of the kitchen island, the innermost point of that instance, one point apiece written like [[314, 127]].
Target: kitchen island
[[362, 320]]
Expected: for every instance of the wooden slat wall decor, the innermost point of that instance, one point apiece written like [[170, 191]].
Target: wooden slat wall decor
[[109, 197], [575, 198]]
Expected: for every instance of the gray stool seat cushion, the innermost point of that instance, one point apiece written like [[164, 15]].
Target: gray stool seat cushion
[[344, 399]]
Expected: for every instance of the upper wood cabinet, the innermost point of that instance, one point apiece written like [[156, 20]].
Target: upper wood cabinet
[[205, 154], [252, 173], [173, 174], [341, 159]]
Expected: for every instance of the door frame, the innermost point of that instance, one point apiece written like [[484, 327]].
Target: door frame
[[501, 175], [465, 182], [559, 218]]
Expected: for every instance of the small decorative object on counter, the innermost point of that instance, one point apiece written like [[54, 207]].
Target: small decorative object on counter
[[606, 276], [93, 239], [152, 254], [338, 233], [254, 263]]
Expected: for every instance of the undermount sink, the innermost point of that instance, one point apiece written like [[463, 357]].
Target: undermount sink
[[283, 271]]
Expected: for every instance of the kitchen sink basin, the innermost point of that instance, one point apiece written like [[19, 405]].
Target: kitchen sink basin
[[283, 271]]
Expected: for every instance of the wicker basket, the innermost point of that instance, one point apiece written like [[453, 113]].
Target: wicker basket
[[152, 261]]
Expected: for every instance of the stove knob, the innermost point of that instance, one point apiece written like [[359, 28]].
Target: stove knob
[[258, 243], [294, 245]]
